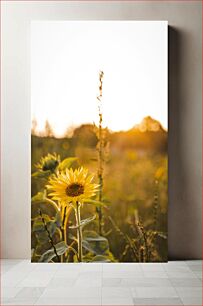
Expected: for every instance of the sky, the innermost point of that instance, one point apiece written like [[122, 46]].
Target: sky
[[66, 57]]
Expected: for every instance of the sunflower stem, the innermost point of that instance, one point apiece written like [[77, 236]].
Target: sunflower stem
[[65, 215], [79, 230], [63, 229]]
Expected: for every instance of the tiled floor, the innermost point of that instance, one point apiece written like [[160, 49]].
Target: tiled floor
[[173, 283]]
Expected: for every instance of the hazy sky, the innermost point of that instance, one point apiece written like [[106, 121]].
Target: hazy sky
[[66, 57]]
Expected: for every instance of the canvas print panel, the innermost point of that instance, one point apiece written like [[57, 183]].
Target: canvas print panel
[[99, 141]]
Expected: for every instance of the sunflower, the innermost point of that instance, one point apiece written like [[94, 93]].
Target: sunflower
[[72, 186], [48, 163]]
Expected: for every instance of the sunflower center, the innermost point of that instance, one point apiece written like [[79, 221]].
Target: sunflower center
[[74, 190]]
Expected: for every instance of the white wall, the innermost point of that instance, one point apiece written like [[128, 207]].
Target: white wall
[[184, 111]]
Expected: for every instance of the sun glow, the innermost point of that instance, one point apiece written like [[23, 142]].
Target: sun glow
[[66, 57]]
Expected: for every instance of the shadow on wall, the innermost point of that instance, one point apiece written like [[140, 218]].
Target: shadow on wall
[[182, 218]]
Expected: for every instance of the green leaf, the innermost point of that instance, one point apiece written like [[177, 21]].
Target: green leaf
[[100, 258], [38, 226], [94, 202], [92, 235], [47, 256], [51, 226], [40, 230], [41, 174], [40, 198], [58, 219], [87, 246], [83, 222], [99, 238], [44, 208], [95, 243], [66, 163], [42, 237], [42, 248], [87, 221], [61, 248]]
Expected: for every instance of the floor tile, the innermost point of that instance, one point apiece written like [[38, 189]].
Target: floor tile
[[196, 268], [193, 262], [185, 282], [119, 267], [177, 268], [37, 279], [91, 282], [61, 282], [90, 275], [178, 274], [66, 273], [91, 267], [46, 267], [152, 274], [12, 277], [122, 274], [73, 292], [127, 301], [69, 301], [146, 282], [171, 283], [112, 282], [116, 292], [28, 292], [189, 291], [9, 292], [175, 263], [21, 301], [153, 292], [192, 301], [6, 268], [70, 268], [157, 301], [152, 267], [198, 274]]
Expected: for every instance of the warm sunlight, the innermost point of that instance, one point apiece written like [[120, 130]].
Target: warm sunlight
[[65, 61], [107, 183]]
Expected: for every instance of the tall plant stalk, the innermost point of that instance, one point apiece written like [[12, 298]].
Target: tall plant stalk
[[79, 231], [63, 229], [100, 147], [65, 215], [49, 235], [156, 203]]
